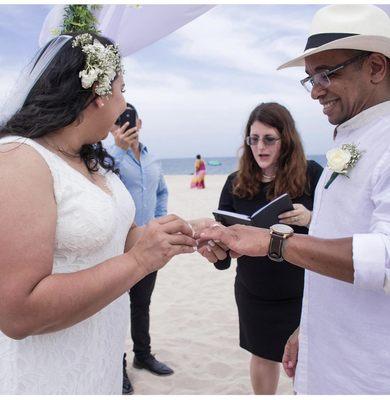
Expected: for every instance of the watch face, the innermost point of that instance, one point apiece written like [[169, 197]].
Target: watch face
[[282, 228]]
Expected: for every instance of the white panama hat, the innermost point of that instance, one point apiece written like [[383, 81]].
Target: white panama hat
[[357, 27]]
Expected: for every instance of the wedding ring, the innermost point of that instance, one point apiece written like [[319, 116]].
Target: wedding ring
[[192, 229]]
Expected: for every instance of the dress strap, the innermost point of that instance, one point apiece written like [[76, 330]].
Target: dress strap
[[30, 142]]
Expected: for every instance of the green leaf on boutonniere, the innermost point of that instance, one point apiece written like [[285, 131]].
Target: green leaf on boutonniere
[[331, 179]]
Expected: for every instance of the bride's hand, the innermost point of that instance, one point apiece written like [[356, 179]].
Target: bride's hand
[[162, 239]]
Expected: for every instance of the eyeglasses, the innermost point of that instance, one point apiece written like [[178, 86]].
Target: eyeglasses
[[322, 78], [267, 140]]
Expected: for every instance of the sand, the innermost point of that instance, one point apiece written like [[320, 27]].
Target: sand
[[194, 321]]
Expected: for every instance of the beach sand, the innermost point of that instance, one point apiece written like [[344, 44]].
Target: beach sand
[[194, 322]]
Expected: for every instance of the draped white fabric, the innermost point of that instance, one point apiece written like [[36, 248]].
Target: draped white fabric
[[131, 27]]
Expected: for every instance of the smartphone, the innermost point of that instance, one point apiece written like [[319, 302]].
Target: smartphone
[[130, 116]]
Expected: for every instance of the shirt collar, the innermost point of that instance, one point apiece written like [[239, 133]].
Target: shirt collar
[[363, 118], [143, 148]]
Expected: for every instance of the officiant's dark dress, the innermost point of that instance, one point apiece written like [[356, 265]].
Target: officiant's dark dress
[[268, 294]]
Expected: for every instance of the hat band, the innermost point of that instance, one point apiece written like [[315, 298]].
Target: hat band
[[324, 38]]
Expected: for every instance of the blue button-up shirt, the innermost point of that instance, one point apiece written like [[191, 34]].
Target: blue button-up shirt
[[144, 180]]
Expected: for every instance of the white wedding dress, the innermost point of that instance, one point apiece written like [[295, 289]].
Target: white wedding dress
[[86, 358]]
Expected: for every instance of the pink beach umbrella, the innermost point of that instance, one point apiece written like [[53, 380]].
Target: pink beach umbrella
[[131, 27]]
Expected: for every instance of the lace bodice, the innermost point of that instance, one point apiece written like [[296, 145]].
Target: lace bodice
[[86, 358]]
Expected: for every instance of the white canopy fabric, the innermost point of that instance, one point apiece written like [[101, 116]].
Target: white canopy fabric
[[131, 27]]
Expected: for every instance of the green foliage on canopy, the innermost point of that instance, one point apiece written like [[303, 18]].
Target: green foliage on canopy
[[79, 18]]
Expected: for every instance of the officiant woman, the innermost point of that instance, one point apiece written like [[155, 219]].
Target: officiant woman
[[269, 296]]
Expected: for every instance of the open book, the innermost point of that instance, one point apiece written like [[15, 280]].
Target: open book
[[262, 218]]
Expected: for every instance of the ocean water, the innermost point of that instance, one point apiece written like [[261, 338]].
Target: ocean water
[[185, 166]]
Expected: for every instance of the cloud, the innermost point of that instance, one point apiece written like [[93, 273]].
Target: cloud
[[251, 39], [21, 20], [231, 56], [195, 88], [181, 118]]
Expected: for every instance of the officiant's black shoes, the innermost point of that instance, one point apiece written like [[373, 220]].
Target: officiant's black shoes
[[127, 388], [154, 366]]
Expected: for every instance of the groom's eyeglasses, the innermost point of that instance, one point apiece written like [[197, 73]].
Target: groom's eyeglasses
[[323, 78], [267, 140]]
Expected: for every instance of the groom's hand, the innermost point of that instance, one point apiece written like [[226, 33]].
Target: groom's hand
[[240, 239], [212, 251], [201, 223], [290, 356]]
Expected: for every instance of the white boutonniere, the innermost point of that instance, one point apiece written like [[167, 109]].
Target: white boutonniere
[[342, 160]]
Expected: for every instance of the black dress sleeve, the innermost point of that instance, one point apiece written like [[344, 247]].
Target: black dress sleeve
[[226, 198], [226, 204]]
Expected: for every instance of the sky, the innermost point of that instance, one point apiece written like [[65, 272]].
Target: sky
[[195, 88]]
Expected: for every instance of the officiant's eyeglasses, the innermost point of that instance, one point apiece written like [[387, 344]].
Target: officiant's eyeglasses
[[323, 78], [267, 140]]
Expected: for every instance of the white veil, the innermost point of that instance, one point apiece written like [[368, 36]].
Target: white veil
[[29, 76]]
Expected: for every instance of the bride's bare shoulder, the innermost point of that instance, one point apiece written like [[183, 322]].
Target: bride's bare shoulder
[[21, 163]]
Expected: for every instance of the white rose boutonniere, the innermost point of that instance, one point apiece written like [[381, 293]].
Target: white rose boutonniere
[[342, 160]]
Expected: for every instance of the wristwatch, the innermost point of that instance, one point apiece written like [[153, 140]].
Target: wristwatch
[[279, 233]]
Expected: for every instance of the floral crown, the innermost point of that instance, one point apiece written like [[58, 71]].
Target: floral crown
[[101, 65]]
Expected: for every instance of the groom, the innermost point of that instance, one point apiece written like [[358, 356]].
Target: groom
[[343, 344]]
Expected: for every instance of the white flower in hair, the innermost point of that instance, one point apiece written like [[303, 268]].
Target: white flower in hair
[[101, 66], [88, 78], [111, 73]]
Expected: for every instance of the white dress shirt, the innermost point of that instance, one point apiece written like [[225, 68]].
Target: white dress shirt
[[344, 341]]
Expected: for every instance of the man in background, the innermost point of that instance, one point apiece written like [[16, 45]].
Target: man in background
[[141, 174]]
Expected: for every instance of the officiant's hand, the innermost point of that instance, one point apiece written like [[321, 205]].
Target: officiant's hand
[[290, 356], [239, 239], [299, 216], [161, 239]]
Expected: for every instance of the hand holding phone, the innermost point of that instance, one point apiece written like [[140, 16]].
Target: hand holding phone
[[124, 136], [130, 116]]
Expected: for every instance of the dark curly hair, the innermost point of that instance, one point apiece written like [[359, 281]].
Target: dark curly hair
[[57, 100], [292, 164]]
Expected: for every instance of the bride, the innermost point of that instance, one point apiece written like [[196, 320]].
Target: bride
[[69, 248]]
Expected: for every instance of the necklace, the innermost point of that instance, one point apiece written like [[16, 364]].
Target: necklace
[[58, 149], [268, 176]]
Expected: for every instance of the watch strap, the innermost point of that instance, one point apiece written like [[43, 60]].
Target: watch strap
[[275, 250]]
